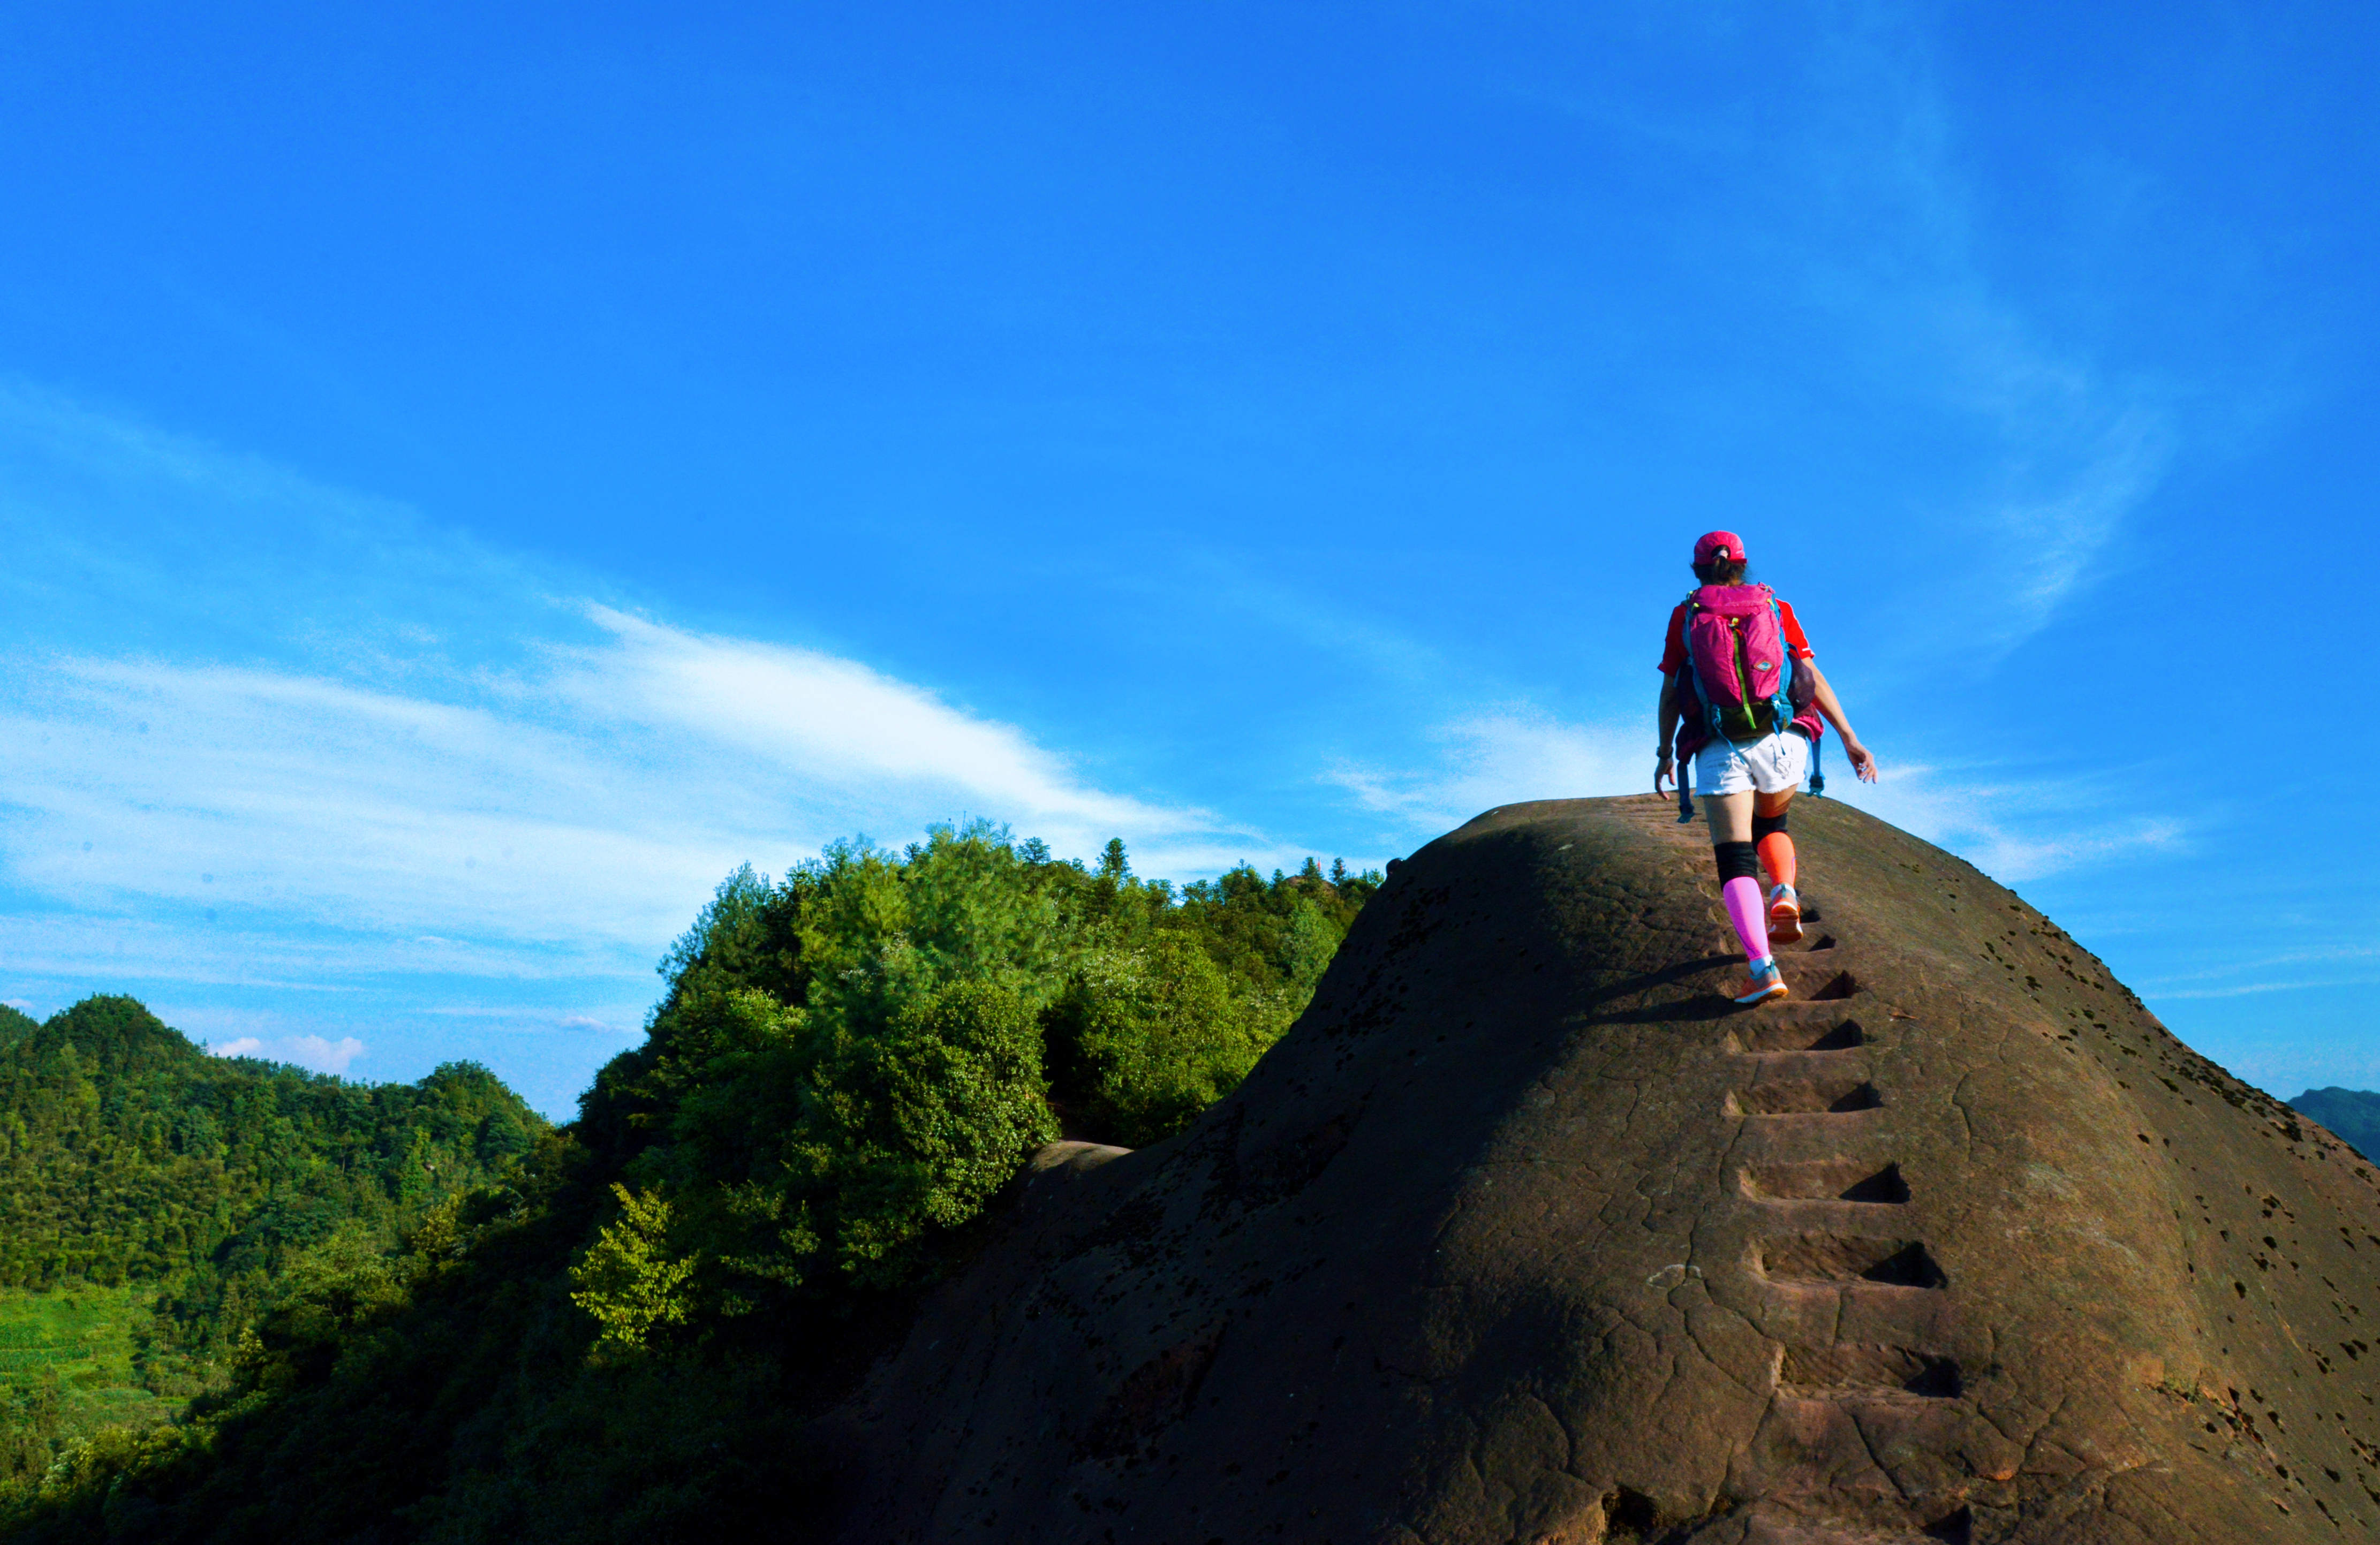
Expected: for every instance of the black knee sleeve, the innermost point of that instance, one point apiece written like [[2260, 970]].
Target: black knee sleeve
[[1767, 826], [1737, 861]]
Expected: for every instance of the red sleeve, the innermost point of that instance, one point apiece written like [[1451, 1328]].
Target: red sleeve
[[1800, 645], [1673, 651]]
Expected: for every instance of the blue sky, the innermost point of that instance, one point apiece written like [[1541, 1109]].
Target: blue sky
[[472, 477]]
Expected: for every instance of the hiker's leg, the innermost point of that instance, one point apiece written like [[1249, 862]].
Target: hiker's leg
[[1729, 816], [1738, 869], [1769, 835]]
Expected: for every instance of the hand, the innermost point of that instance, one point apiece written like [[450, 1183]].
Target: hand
[[1862, 759], [1665, 770]]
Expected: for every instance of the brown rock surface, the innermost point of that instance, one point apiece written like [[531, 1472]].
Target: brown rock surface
[[1523, 1235]]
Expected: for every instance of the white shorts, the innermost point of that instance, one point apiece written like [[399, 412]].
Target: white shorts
[[1767, 766]]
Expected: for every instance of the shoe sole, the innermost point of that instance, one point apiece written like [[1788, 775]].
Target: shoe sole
[[1785, 922], [1774, 989]]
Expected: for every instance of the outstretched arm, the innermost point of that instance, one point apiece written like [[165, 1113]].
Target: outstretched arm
[[1862, 761]]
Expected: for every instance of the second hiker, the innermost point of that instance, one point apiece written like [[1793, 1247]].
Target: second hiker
[[1742, 698]]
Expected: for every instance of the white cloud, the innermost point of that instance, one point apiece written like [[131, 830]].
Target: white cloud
[[2013, 829], [1504, 755], [323, 1057], [306, 1051], [269, 826], [834, 722], [274, 744]]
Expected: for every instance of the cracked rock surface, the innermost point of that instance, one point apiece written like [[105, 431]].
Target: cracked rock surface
[[1524, 1234]]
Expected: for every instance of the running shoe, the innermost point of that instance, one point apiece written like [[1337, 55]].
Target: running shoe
[[1784, 915], [1767, 983]]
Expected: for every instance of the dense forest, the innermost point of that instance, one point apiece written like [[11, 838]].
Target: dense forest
[[625, 1334], [184, 1187]]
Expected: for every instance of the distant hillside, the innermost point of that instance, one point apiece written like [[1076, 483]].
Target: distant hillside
[[2353, 1114], [173, 1189], [126, 1153], [624, 1343]]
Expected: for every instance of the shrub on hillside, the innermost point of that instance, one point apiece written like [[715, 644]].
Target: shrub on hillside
[[1151, 1036]]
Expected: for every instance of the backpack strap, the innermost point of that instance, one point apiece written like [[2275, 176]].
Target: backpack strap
[[1780, 706]]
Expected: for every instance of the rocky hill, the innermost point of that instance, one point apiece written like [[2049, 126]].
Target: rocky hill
[[1522, 1234]]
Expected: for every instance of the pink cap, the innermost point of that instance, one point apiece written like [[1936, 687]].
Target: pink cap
[[1721, 544]]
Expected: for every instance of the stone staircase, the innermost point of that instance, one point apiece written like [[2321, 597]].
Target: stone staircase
[[1858, 1299]]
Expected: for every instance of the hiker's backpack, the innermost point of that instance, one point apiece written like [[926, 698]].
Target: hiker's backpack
[[1745, 678]]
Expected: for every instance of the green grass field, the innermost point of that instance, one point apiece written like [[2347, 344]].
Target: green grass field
[[82, 1335]]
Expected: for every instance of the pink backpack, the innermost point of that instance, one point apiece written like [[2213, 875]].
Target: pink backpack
[[1744, 678]]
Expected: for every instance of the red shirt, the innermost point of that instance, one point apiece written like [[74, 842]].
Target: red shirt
[[1673, 653]]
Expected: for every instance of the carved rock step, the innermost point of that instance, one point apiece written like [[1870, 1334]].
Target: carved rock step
[[1831, 1314], [1770, 1529], [1861, 1372], [1861, 1180], [1798, 1033], [1903, 1463], [1816, 978], [1841, 1094], [1847, 1258]]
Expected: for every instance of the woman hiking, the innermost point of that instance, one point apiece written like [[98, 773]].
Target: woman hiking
[[1743, 698]]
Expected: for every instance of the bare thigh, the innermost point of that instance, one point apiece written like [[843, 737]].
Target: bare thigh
[[1731, 815]]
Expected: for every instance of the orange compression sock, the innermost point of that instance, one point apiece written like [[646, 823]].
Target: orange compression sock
[[1776, 857]]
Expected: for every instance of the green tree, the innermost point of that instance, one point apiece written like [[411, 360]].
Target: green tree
[[1153, 1034], [628, 1280]]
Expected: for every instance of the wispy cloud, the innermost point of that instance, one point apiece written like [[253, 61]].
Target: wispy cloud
[[2021, 455], [267, 737], [1884, 225], [2252, 989], [2013, 828], [2079, 454], [834, 722], [2287, 970], [2285, 1064], [583, 806], [1502, 755]]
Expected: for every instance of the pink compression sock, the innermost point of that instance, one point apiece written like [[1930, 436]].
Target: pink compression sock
[[1750, 914]]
